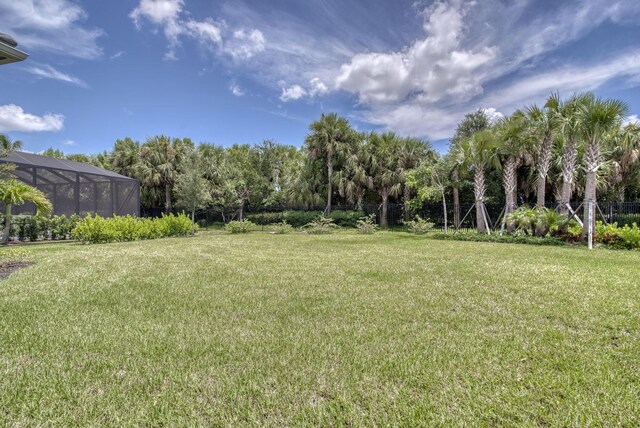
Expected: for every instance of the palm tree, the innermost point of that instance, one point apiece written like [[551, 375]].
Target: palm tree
[[478, 153], [124, 156], [158, 162], [569, 127], [327, 136], [598, 118], [14, 192], [354, 177], [625, 157], [386, 170], [513, 145], [7, 146], [542, 124]]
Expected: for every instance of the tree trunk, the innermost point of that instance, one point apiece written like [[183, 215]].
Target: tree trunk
[[329, 186], [193, 222], [592, 159], [621, 193], [544, 163], [383, 217], [589, 196], [479, 189], [241, 210], [7, 225], [444, 210], [510, 179], [167, 198], [568, 171], [456, 198]]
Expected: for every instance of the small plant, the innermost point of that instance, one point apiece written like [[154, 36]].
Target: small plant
[[367, 225], [300, 218], [281, 228], [419, 226], [540, 221], [245, 226], [321, 226], [346, 218]]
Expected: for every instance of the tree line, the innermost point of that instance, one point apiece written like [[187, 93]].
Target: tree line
[[560, 152]]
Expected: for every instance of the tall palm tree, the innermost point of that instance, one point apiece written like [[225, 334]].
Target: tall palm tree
[[158, 162], [598, 118], [566, 113], [352, 180], [387, 173], [478, 153], [14, 192], [625, 156], [7, 146], [125, 155], [325, 139], [513, 147], [542, 124]]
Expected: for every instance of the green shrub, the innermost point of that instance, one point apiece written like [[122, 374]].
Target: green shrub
[[98, 230], [320, 226], [419, 226], [346, 218], [623, 238], [240, 226], [506, 238], [265, 218], [527, 220], [281, 228], [367, 225], [300, 218]]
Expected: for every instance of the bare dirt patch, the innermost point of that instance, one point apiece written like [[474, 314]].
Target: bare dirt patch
[[7, 267]]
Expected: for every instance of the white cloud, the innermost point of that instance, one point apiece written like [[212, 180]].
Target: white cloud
[[245, 44], [294, 92], [51, 25], [171, 16], [236, 89], [14, 118], [431, 68], [317, 87], [48, 72], [631, 120], [69, 143], [492, 114], [117, 55]]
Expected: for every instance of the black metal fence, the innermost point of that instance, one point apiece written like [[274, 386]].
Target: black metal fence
[[608, 212]]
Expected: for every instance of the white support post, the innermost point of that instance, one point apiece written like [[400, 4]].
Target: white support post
[[590, 227]]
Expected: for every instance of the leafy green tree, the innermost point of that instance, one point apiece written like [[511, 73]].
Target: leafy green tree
[[244, 183], [625, 159], [327, 136], [124, 156], [354, 178], [599, 118], [14, 192], [478, 153], [431, 180], [192, 189]]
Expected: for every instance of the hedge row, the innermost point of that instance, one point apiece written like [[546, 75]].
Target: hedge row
[[301, 218], [99, 230]]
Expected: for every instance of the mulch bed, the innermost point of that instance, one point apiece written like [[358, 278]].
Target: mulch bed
[[7, 267]]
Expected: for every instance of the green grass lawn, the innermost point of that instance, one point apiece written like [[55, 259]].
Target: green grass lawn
[[301, 330]]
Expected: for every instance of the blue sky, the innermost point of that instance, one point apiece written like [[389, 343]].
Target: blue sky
[[238, 71]]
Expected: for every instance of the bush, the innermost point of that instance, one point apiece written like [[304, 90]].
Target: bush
[[508, 239], [528, 220], [320, 226], [98, 230], [281, 228], [240, 226], [419, 226], [367, 225], [266, 218], [300, 218], [623, 238], [346, 218]]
